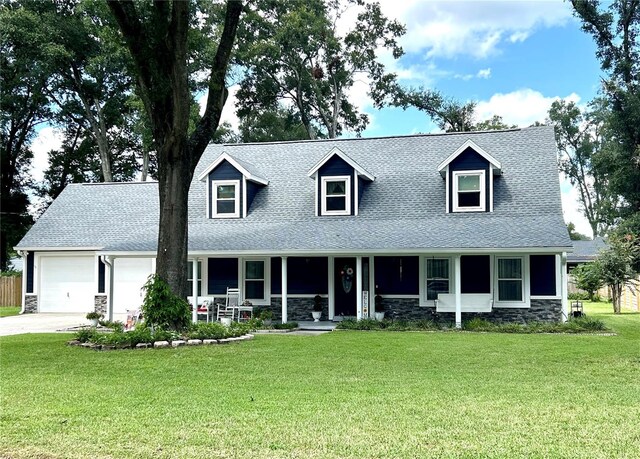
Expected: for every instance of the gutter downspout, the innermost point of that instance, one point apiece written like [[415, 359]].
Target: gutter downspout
[[108, 260]]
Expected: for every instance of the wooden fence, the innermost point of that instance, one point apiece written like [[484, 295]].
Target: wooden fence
[[10, 291]]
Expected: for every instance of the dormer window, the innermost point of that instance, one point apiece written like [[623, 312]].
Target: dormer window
[[231, 186], [336, 195], [469, 191], [225, 203], [469, 174], [340, 182]]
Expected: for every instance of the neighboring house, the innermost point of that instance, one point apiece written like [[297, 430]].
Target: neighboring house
[[585, 252], [444, 223]]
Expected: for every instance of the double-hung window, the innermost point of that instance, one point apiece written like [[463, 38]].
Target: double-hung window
[[336, 195], [255, 281], [226, 199], [469, 191], [437, 277], [510, 279]]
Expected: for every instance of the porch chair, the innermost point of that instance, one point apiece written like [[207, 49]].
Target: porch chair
[[206, 309], [231, 304]]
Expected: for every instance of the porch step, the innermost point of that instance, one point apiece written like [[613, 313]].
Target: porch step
[[316, 326]]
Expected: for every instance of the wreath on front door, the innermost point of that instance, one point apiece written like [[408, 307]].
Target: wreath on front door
[[347, 278]]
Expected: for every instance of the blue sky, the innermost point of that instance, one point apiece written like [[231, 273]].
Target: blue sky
[[513, 57]]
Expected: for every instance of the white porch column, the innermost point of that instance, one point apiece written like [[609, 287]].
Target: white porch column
[[359, 287], [109, 261], [330, 291], [564, 278], [194, 291], [284, 290], [25, 272], [458, 292]]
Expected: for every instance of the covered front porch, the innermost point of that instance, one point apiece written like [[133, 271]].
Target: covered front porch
[[499, 285]]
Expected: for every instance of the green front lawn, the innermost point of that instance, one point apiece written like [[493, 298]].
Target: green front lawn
[[7, 311], [342, 394]]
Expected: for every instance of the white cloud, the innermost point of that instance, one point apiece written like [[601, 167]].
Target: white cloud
[[484, 73], [48, 138], [447, 28], [522, 107]]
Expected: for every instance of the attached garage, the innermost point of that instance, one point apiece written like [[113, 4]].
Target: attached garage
[[67, 284], [130, 275]]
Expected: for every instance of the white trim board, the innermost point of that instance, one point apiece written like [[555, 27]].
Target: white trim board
[[335, 151], [227, 157]]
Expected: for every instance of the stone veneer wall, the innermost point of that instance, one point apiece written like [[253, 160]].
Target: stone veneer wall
[[297, 308], [30, 304], [100, 304], [540, 311]]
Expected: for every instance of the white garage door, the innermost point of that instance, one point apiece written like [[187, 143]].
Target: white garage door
[[130, 275], [67, 284]]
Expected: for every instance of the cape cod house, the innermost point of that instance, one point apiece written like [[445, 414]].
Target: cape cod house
[[450, 224]]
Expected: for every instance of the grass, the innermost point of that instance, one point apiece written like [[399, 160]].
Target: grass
[[7, 311], [346, 394]]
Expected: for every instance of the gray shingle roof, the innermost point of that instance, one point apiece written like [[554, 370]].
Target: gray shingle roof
[[403, 209], [584, 251]]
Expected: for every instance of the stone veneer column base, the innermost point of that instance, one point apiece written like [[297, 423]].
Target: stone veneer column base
[[297, 308], [30, 304], [100, 304]]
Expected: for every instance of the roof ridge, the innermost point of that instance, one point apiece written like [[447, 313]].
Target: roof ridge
[[400, 136]]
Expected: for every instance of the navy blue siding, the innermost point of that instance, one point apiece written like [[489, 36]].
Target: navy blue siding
[[335, 166], [252, 190], [222, 273], [276, 275], [469, 160], [543, 275], [397, 275], [475, 273], [29, 268], [307, 275], [101, 276], [225, 171]]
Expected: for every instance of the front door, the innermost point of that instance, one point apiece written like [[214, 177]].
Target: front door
[[345, 290]]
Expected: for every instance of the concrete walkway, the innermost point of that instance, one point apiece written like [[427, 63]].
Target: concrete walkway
[[46, 322]]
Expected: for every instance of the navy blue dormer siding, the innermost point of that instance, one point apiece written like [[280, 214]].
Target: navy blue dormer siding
[[29, 267], [469, 160], [334, 167], [252, 190], [224, 171]]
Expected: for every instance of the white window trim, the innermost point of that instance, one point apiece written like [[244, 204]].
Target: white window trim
[[267, 281], [423, 277], [323, 194], [482, 207], [524, 303], [190, 278], [214, 198]]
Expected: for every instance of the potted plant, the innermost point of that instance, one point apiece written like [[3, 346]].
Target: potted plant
[[317, 308], [379, 308], [94, 317], [266, 316]]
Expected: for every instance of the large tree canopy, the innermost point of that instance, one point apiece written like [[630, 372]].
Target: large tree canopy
[[295, 55], [615, 26], [158, 38]]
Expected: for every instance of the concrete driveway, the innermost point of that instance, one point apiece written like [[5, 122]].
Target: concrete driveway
[[41, 323]]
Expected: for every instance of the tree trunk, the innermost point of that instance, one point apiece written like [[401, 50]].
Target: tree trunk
[[145, 163]]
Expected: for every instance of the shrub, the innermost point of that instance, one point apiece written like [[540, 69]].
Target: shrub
[[162, 308], [317, 303], [85, 335], [140, 334], [212, 330], [578, 296], [114, 325], [94, 315], [478, 324]]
